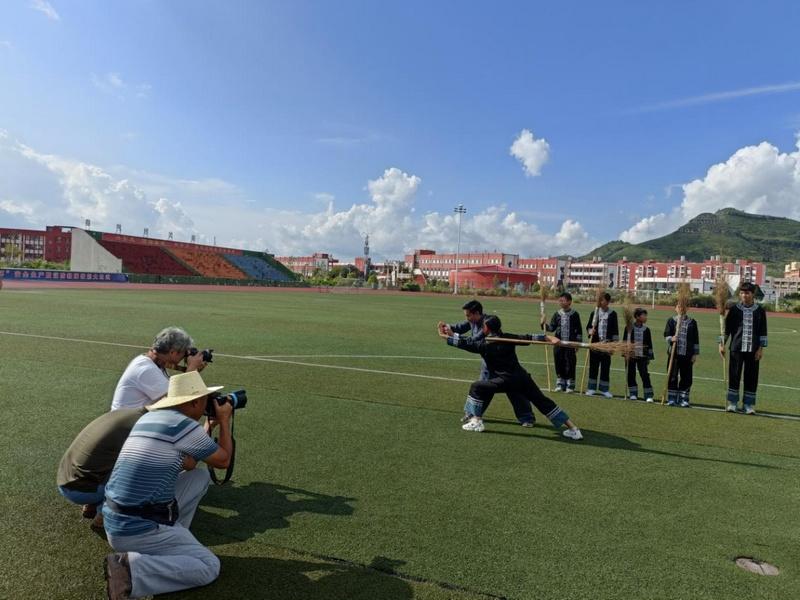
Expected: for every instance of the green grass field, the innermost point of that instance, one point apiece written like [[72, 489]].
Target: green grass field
[[354, 480]]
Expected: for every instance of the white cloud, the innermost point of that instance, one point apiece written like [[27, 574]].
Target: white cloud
[[46, 9], [757, 179], [113, 84], [532, 153], [780, 88], [59, 190], [17, 208], [90, 192]]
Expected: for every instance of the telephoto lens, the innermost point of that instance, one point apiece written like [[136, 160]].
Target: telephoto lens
[[237, 399]]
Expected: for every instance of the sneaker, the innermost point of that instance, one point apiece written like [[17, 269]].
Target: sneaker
[[672, 403], [731, 407], [608, 395], [528, 424], [556, 389], [473, 425], [573, 434], [97, 523], [749, 410], [649, 400], [88, 511], [633, 397], [685, 404], [465, 417], [590, 392], [569, 391], [118, 576]]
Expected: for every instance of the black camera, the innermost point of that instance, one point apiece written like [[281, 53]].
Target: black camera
[[207, 354], [237, 399]]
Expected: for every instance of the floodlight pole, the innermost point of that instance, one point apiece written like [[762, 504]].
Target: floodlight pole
[[459, 210]]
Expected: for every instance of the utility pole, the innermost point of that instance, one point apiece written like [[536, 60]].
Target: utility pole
[[459, 210]]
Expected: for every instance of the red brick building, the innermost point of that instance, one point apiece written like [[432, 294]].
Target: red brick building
[[493, 276], [53, 244], [306, 265]]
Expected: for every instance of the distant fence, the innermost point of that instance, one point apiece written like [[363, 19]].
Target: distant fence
[[192, 280], [71, 276]]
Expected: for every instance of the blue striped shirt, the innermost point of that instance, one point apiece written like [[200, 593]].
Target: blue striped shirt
[[149, 464]]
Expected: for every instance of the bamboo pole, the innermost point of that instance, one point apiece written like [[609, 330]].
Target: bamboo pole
[[682, 304], [595, 319], [627, 311], [542, 316]]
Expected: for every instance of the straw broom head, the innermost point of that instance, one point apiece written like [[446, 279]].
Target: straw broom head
[[544, 292], [627, 311], [684, 294], [721, 294], [625, 349]]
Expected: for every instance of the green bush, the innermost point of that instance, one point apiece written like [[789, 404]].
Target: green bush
[[410, 287]]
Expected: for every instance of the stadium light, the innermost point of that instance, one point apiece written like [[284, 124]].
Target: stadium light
[[459, 210]]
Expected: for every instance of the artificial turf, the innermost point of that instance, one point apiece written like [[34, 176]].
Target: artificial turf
[[354, 481]]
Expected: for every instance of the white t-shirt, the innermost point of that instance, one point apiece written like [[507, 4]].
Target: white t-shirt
[[141, 384]]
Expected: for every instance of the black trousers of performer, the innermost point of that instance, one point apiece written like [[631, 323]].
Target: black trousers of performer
[[639, 364], [743, 361], [520, 387], [680, 378], [565, 360], [599, 361]]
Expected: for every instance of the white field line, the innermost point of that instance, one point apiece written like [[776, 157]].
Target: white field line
[[281, 359], [524, 362]]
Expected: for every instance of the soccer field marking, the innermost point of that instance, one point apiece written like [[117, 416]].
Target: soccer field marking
[[281, 359]]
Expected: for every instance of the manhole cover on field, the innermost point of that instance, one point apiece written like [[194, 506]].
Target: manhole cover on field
[[759, 567]]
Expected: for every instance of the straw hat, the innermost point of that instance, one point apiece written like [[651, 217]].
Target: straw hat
[[184, 388]]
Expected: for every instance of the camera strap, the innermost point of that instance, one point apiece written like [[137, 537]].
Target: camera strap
[[229, 470]]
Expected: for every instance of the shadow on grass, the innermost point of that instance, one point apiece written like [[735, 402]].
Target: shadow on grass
[[236, 513], [301, 579], [607, 440]]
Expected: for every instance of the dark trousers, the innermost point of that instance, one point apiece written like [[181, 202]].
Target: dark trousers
[[520, 404], [639, 364], [599, 361], [481, 393], [565, 360], [679, 383], [738, 362]]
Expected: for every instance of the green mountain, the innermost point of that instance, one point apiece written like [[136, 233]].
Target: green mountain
[[728, 232]]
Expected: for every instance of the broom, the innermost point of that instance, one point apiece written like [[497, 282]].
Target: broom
[[598, 297], [681, 304], [627, 315], [721, 300], [626, 349], [543, 291]]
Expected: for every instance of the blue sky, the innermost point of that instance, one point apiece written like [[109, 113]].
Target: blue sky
[[298, 126]]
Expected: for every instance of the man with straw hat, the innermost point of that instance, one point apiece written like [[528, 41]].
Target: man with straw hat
[[150, 501]]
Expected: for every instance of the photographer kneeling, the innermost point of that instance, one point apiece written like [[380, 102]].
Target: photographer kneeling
[[150, 503], [145, 379]]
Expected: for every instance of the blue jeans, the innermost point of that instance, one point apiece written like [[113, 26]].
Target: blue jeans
[[96, 498]]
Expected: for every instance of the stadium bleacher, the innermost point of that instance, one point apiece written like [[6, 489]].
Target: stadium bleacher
[[256, 268], [138, 258], [208, 264]]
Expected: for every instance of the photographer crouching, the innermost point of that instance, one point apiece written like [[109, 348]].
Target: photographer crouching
[[150, 501], [145, 379]]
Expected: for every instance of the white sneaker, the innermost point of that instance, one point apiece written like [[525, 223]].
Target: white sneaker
[[685, 404], [556, 389], [633, 397], [473, 425], [573, 434], [608, 394], [731, 407], [649, 400], [568, 391], [749, 410], [590, 392]]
